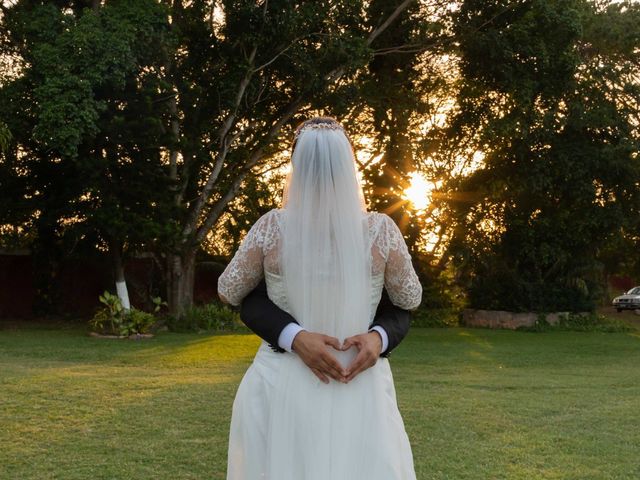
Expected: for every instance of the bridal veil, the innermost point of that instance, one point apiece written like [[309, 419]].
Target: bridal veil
[[326, 256]]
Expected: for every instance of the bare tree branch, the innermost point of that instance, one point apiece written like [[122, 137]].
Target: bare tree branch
[[223, 144], [272, 168], [217, 209]]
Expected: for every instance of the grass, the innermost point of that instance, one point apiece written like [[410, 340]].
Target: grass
[[477, 404]]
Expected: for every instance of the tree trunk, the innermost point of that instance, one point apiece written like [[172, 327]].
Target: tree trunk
[[118, 268], [181, 270]]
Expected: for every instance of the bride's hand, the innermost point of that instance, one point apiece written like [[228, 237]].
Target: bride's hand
[[369, 345], [312, 349]]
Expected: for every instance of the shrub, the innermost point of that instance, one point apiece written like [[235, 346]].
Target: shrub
[[114, 319], [580, 322], [505, 290], [207, 317], [139, 321]]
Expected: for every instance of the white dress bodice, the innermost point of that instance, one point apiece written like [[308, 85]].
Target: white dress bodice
[[259, 256], [277, 291]]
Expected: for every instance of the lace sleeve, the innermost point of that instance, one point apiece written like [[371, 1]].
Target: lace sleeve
[[400, 278], [245, 270]]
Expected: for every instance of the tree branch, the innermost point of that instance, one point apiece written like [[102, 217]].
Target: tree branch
[[339, 71], [223, 144], [399, 9], [218, 208], [272, 168]]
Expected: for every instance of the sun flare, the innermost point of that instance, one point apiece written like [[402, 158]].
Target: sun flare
[[418, 191]]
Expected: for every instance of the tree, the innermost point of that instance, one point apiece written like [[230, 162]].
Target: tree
[[86, 158], [239, 88], [551, 103]]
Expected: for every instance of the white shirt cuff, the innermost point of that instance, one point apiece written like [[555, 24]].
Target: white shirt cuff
[[288, 333], [383, 335]]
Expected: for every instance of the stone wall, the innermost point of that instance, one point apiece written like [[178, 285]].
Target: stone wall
[[503, 319]]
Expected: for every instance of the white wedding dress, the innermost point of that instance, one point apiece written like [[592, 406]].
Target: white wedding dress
[[288, 425]]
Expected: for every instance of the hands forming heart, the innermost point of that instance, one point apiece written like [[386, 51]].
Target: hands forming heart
[[313, 349]]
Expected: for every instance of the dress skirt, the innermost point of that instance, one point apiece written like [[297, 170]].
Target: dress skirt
[[288, 425]]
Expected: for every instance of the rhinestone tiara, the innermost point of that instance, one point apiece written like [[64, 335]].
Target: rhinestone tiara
[[318, 126]]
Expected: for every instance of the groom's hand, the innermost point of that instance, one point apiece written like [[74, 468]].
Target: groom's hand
[[312, 349], [369, 346]]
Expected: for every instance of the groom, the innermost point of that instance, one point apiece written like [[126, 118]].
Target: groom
[[283, 333]]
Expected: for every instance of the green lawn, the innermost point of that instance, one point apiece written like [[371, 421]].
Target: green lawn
[[477, 404]]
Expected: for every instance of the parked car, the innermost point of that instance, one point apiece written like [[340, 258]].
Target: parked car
[[628, 301]]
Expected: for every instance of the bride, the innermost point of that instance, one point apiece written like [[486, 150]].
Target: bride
[[325, 260]]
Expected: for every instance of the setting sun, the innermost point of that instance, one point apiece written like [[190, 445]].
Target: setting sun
[[418, 191]]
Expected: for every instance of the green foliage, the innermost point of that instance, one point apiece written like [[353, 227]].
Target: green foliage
[[580, 322], [94, 53], [114, 319], [206, 318], [442, 299], [137, 321], [497, 286], [111, 316]]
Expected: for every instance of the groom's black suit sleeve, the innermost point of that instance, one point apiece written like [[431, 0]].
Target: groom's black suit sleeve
[[267, 320]]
